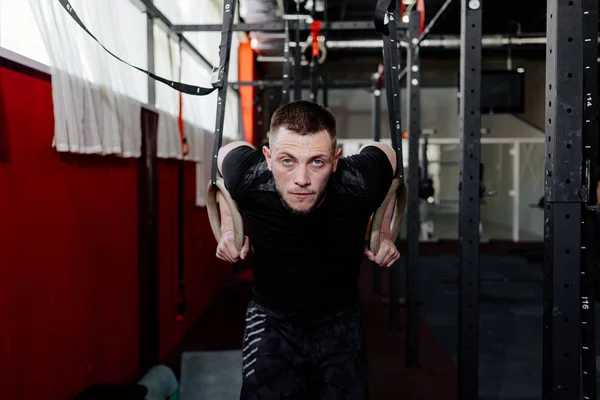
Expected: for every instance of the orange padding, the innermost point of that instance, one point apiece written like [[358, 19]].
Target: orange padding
[[368, 232], [315, 29]]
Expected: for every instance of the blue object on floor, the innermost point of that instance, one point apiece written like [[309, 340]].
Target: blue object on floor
[[211, 375], [160, 382]]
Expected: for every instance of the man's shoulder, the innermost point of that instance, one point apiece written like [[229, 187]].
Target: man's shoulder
[[244, 171], [367, 174], [356, 168], [257, 176]]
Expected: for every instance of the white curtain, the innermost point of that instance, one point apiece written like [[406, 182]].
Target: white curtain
[[166, 64], [96, 97]]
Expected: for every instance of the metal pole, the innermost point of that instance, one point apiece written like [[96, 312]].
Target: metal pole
[[278, 26], [325, 87], [469, 192], [561, 371], [260, 117], [425, 171], [148, 270], [590, 144], [337, 84], [403, 74], [413, 113], [151, 61], [148, 249], [156, 13], [376, 128], [392, 83], [434, 20], [325, 73], [298, 59], [516, 192], [314, 67], [285, 93], [220, 78], [376, 107]]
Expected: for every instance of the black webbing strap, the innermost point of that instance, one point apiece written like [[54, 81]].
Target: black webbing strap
[[385, 23], [182, 87], [219, 80]]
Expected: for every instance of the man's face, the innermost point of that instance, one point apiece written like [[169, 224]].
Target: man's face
[[301, 166]]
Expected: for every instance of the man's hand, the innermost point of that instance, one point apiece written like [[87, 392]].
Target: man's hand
[[387, 254], [226, 250]]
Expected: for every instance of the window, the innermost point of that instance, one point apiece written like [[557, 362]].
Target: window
[[202, 12], [199, 110], [19, 31], [118, 25]]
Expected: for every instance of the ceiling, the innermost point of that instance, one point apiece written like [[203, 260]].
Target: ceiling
[[499, 17], [505, 18]]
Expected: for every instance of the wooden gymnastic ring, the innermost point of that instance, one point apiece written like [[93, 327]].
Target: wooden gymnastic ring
[[394, 192], [214, 216]]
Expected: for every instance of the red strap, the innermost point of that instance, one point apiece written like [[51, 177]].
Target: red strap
[[315, 30], [421, 9]]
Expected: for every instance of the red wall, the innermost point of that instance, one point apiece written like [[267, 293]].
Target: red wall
[[68, 255], [205, 276]]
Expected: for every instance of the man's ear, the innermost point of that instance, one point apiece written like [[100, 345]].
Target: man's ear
[[336, 158], [267, 153]]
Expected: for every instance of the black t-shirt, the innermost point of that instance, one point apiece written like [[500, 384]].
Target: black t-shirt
[[307, 263]]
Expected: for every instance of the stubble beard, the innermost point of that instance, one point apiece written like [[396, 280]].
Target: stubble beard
[[295, 211]]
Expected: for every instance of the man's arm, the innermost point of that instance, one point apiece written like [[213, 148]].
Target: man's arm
[[223, 151], [226, 221], [389, 152], [226, 249], [388, 253]]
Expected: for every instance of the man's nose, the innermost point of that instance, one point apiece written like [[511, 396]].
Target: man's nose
[[301, 178]]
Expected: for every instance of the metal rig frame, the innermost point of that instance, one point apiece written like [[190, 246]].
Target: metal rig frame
[[571, 142]]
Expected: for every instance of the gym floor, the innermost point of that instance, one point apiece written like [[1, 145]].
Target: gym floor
[[446, 228], [510, 329]]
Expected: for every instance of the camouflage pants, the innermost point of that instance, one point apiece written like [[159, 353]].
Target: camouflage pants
[[322, 359]]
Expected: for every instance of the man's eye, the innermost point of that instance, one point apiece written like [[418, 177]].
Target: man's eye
[[318, 163], [286, 161]]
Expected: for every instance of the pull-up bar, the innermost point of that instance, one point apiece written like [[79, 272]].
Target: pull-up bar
[[338, 84], [279, 26]]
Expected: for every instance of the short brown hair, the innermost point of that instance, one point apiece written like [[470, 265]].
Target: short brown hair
[[304, 118]]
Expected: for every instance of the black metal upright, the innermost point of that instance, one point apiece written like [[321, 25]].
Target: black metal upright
[[590, 149], [376, 106], [425, 160], [413, 115], [468, 222], [324, 74], [285, 90], [564, 195], [314, 62], [148, 253], [298, 58], [220, 78], [260, 116], [385, 22]]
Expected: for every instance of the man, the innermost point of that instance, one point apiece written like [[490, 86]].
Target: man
[[306, 211]]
